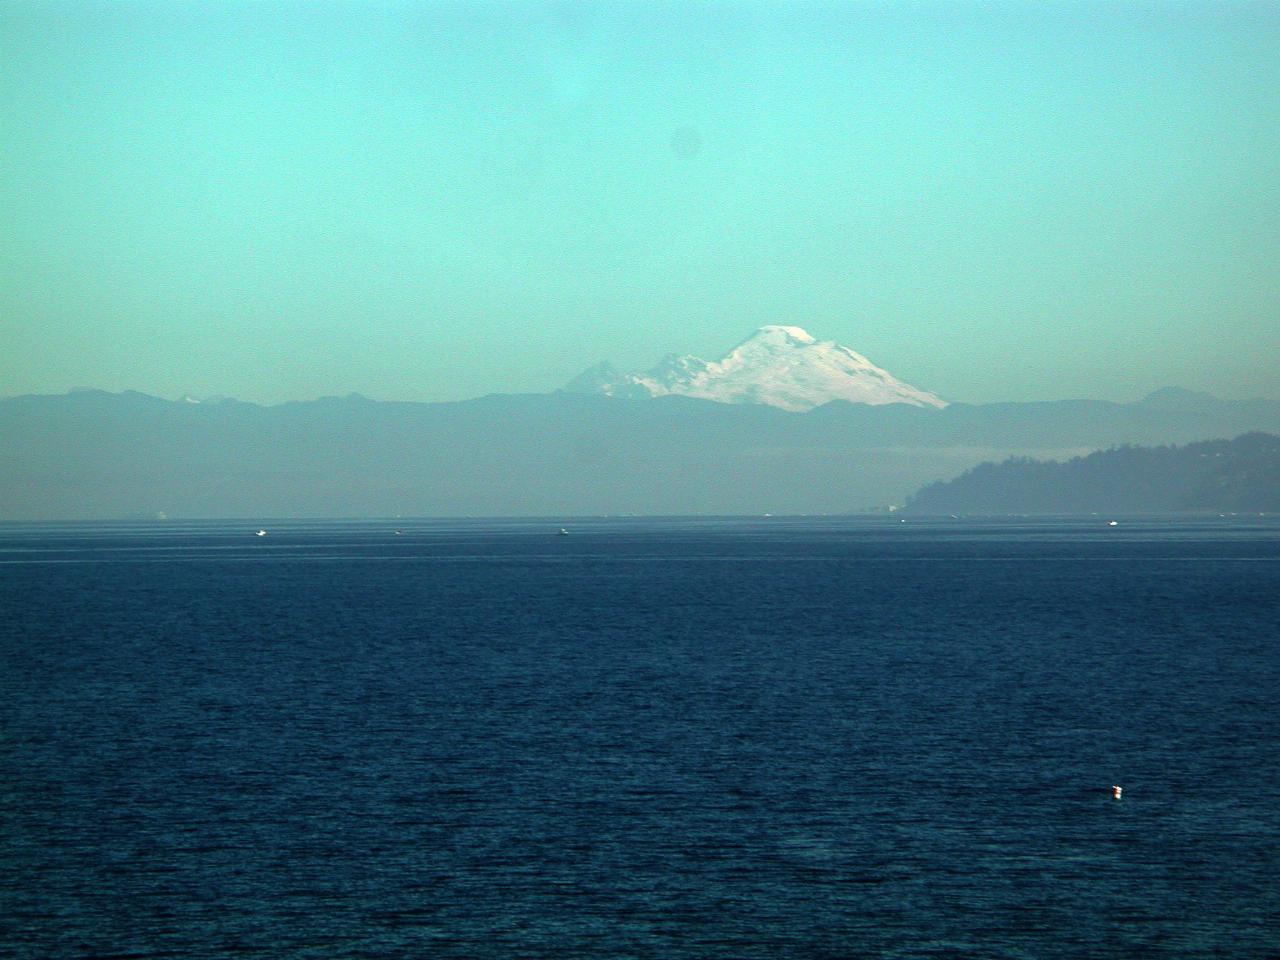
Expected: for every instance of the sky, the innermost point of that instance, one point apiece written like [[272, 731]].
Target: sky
[[436, 201]]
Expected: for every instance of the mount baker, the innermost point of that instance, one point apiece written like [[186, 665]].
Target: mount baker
[[778, 366]]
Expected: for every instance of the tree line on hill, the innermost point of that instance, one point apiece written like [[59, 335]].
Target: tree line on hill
[[1220, 476]]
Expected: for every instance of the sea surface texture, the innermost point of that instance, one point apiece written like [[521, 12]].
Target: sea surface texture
[[770, 738]]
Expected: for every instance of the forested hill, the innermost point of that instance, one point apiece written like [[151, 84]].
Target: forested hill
[[1240, 475]]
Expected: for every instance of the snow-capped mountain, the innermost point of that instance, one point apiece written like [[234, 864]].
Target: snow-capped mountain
[[779, 366]]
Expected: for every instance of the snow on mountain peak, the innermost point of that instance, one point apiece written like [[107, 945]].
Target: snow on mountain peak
[[780, 366], [776, 332]]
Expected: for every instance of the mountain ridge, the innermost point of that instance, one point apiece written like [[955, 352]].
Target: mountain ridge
[[101, 455]]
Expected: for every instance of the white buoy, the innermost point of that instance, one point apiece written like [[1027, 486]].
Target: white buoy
[[1115, 792]]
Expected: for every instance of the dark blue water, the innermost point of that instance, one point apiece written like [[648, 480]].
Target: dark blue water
[[773, 738]]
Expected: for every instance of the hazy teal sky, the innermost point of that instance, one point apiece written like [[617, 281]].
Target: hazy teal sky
[[433, 201]]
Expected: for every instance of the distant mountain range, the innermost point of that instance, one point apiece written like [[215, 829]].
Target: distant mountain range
[[777, 366], [1241, 475], [89, 455]]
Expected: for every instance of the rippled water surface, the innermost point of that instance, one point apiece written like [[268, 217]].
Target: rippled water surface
[[713, 738]]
